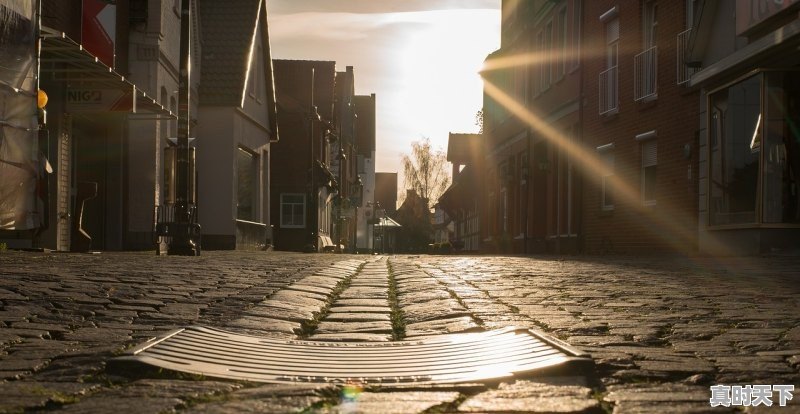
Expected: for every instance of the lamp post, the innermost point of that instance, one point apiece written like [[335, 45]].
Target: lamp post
[[182, 244], [341, 157], [358, 192]]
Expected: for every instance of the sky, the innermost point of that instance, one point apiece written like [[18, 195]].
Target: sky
[[420, 57]]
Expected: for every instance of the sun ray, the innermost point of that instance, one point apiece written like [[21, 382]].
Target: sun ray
[[666, 224]]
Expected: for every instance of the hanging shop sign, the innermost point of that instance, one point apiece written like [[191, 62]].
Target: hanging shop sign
[[99, 29]]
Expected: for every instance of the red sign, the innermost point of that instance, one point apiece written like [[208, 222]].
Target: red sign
[[99, 28], [751, 13]]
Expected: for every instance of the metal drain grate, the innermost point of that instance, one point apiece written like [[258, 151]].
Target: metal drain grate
[[446, 359]]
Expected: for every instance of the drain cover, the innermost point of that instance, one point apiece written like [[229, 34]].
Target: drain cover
[[446, 359]]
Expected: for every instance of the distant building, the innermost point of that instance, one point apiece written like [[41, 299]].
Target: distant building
[[343, 158], [386, 191], [743, 57], [532, 186], [236, 124], [414, 216], [365, 167], [302, 186], [464, 198]]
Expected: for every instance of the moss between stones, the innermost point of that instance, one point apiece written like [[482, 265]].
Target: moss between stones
[[397, 316]]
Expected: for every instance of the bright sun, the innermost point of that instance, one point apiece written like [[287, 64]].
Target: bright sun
[[441, 61]]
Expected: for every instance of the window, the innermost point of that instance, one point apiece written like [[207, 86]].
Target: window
[[562, 43], [612, 43], [547, 79], [576, 33], [539, 76], [257, 72], [753, 143], [781, 155], [246, 185], [606, 153], [645, 63], [734, 161], [608, 78], [650, 23], [293, 211], [649, 162]]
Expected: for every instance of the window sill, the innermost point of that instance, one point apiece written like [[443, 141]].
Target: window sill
[[606, 211], [286, 226], [610, 114]]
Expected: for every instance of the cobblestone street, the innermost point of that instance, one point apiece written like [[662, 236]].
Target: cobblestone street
[[661, 331]]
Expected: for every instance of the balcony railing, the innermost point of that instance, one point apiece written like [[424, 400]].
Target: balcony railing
[[684, 72], [608, 90], [645, 66]]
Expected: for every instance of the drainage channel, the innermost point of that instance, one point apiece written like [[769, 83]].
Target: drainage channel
[[346, 317], [361, 312]]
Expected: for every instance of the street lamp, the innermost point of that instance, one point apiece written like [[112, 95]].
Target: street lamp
[[355, 200], [341, 157], [183, 242]]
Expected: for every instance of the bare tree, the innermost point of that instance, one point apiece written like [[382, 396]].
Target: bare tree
[[425, 171]]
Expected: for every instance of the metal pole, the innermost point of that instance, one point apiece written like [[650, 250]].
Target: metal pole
[[181, 243], [313, 195]]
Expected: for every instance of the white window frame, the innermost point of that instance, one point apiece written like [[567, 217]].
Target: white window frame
[[284, 203]]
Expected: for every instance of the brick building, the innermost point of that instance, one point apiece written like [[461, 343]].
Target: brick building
[[302, 185], [531, 120], [464, 198], [638, 128]]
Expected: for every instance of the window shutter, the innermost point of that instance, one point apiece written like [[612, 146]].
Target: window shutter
[[649, 154], [612, 30]]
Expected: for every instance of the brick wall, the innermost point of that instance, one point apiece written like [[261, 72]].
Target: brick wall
[[632, 227]]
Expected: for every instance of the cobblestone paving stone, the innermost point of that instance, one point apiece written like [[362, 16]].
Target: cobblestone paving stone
[[661, 330]]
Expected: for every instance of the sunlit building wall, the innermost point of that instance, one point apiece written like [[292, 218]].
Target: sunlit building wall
[[101, 142], [533, 184], [236, 126], [639, 127]]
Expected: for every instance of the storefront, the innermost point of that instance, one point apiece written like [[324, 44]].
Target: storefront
[[91, 111], [750, 157]]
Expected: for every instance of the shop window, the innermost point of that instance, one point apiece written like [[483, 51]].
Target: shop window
[[734, 125], [753, 135], [781, 148], [293, 210]]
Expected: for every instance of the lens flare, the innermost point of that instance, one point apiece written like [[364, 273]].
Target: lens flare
[[671, 224]]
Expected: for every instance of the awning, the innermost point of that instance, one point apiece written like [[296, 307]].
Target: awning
[[65, 60]]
